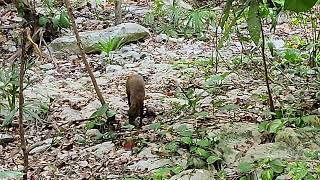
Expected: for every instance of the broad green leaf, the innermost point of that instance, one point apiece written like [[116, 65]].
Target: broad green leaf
[[43, 20], [203, 142], [155, 126], [9, 118], [212, 159], [254, 25], [177, 169], [263, 126], [267, 174], [64, 20], [186, 140], [186, 133], [276, 125], [111, 114], [10, 174], [182, 128], [226, 13], [32, 114], [202, 152], [172, 146], [299, 5], [298, 169], [102, 111], [245, 167], [245, 178], [310, 177], [277, 166]]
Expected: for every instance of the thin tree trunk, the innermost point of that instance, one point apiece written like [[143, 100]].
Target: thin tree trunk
[[266, 70], [21, 102], [117, 12]]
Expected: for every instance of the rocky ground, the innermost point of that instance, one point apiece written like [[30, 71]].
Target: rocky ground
[[62, 148]]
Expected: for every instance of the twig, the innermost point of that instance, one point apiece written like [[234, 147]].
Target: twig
[[27, 46], [21, 102], [265, 68], [83, 54]]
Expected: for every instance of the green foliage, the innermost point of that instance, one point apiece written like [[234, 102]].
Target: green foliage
[[10, 174], [273, 126], [299, 5], [269, 169], [100, 118], [56, 18], [9, 92], [201, 149], [245, 167], [175, 21], [254, 25], [110, 45]]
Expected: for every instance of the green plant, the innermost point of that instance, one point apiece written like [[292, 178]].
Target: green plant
[[201, 149], [9, 91], [110, 45], [57, 18], [101, 118], [268, 169], [175, 21], [10, 174]]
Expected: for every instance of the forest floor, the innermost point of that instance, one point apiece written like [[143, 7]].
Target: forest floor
[[61, 145]]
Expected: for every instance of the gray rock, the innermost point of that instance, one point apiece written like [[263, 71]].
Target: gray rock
[[41, 146], [278, 43], [117, 102], [47, 66], [70, 114], [147, 63], [131, 65], [138, 10], [6, 138], [113, 68], [83, 163], [149, 164], [288, 136], [130, 32], [101, 149], [79, 139], [238, 134], [194, 174], [146, 153], [179, 3], [270, 150], [161, 38], [39, 149], [90, 108], [93, 133]]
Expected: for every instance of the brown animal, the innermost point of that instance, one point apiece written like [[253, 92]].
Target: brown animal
[[136, 93]]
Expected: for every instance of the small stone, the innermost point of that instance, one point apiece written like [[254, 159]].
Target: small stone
[[83, 163], [79, 139], [12, 49], [161, 38], [93, 133], [6, 138], [113, 68], [47, 66]]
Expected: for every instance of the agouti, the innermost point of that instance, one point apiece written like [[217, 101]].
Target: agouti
[[136, 93]]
